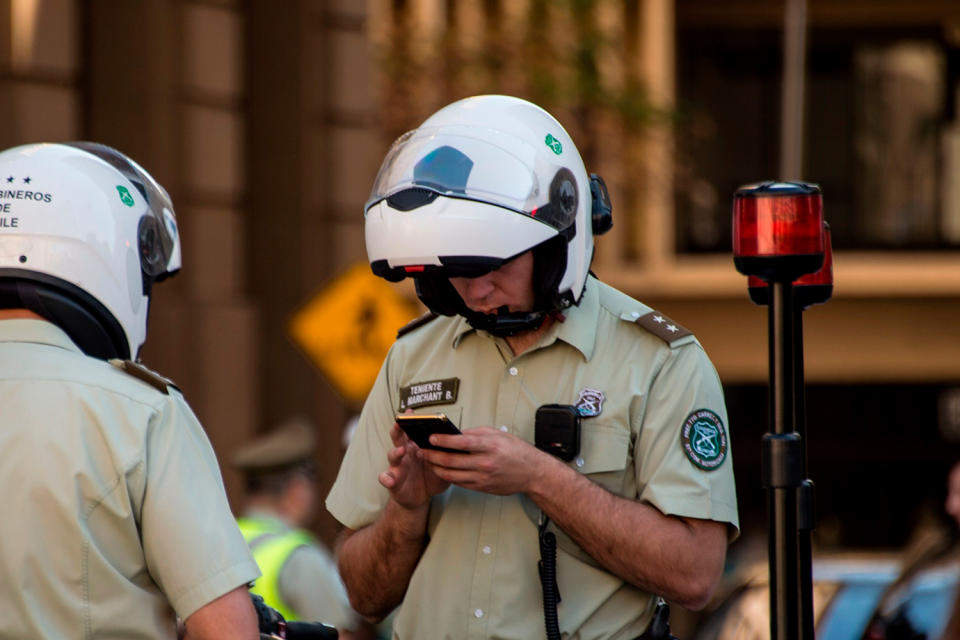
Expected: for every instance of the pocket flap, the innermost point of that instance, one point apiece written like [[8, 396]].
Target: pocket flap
[[602, 448]]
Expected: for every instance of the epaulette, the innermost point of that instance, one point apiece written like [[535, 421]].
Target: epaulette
[[416, 323], [141, 372], [673, 333]]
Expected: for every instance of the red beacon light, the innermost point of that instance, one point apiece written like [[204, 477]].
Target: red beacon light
[[808, 289], [778, 230]]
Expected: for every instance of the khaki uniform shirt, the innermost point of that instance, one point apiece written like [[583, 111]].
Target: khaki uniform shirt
[[638, 394], [114, 508]]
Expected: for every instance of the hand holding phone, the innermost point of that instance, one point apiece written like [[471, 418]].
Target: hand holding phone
[[419, 428]]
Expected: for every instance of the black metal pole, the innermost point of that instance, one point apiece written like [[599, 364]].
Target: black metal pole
[[782, 461], [806, 520]]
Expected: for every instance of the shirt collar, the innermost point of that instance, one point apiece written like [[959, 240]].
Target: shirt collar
[[37, 331], [463, 328], [579, 328]]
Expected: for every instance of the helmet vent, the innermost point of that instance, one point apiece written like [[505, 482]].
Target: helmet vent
[[410, 199]]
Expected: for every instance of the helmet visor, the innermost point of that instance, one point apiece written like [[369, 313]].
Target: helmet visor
[[159, 245], [481, 165]]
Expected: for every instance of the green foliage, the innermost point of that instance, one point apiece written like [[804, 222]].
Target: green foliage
[[554, 62]]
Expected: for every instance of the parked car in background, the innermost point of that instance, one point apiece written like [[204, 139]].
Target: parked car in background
[[856, 596]]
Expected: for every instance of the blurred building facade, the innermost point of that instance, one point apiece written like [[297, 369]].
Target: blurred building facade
[[267, 124]]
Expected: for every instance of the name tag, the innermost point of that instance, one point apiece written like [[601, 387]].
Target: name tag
[[425, 394]]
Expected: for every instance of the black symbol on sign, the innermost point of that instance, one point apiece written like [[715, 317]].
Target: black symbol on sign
[[363, 340], [366, 326]]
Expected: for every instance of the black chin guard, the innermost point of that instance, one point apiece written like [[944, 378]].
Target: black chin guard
[[438, 294], [503, 323]]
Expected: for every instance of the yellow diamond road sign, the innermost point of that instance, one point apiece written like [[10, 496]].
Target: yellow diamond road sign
[[347, 328]]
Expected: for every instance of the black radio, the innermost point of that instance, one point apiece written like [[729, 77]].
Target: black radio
[[557, 430]]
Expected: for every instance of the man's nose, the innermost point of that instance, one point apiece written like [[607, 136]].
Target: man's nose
[[478, 288]]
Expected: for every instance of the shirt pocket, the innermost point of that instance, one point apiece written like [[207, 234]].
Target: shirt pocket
[[604, 455]]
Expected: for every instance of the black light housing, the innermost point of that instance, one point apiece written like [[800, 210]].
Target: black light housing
[[808, 289]]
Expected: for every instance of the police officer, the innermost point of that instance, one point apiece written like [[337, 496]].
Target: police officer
[[300, 578], [487, 205], [116, 520]]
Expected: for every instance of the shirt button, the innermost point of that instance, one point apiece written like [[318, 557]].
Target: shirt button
[[504, 428], [478, 613], [579, 461], [486, 551], [635, 314], [513, 371]]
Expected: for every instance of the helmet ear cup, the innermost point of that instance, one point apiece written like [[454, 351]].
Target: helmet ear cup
[[150, 250], [561, 210], [149, 245], [563, 194]]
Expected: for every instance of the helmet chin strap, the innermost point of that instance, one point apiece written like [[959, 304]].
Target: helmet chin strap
[[505, 323]]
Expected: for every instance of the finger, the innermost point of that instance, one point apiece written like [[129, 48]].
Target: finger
[[448, 460], [387, 479], [397, 435], [473, 439], [453, 441], [395, 455], [460, 477]]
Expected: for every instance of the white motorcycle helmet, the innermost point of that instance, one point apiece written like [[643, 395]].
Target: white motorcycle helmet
[[85, 234], [480, 182]]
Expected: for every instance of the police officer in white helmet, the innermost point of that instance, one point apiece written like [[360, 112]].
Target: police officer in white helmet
[[117, 521], [594, 428]]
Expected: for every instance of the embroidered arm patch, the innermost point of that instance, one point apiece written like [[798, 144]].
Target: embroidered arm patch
[[704, 439]]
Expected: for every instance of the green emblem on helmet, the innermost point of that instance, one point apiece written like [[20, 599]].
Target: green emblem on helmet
[[704, 439], [554, 144], [125, 196]]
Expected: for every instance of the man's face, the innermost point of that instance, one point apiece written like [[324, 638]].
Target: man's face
[[510, 285]]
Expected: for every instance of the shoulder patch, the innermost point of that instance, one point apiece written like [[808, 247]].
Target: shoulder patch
[[664, 328], [704, 439], [416, 323], [141, 372]]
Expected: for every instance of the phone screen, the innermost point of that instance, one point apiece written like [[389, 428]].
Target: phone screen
[[419, 428]]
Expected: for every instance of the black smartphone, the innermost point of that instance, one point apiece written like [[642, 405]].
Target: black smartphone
[[419, 428]]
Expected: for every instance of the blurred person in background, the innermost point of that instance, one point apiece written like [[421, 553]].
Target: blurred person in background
[[117, 518], [300, 578], [931, 555], [489, 208], [952, 507]]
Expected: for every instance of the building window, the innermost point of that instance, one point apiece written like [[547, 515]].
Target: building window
[[880, 132]]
